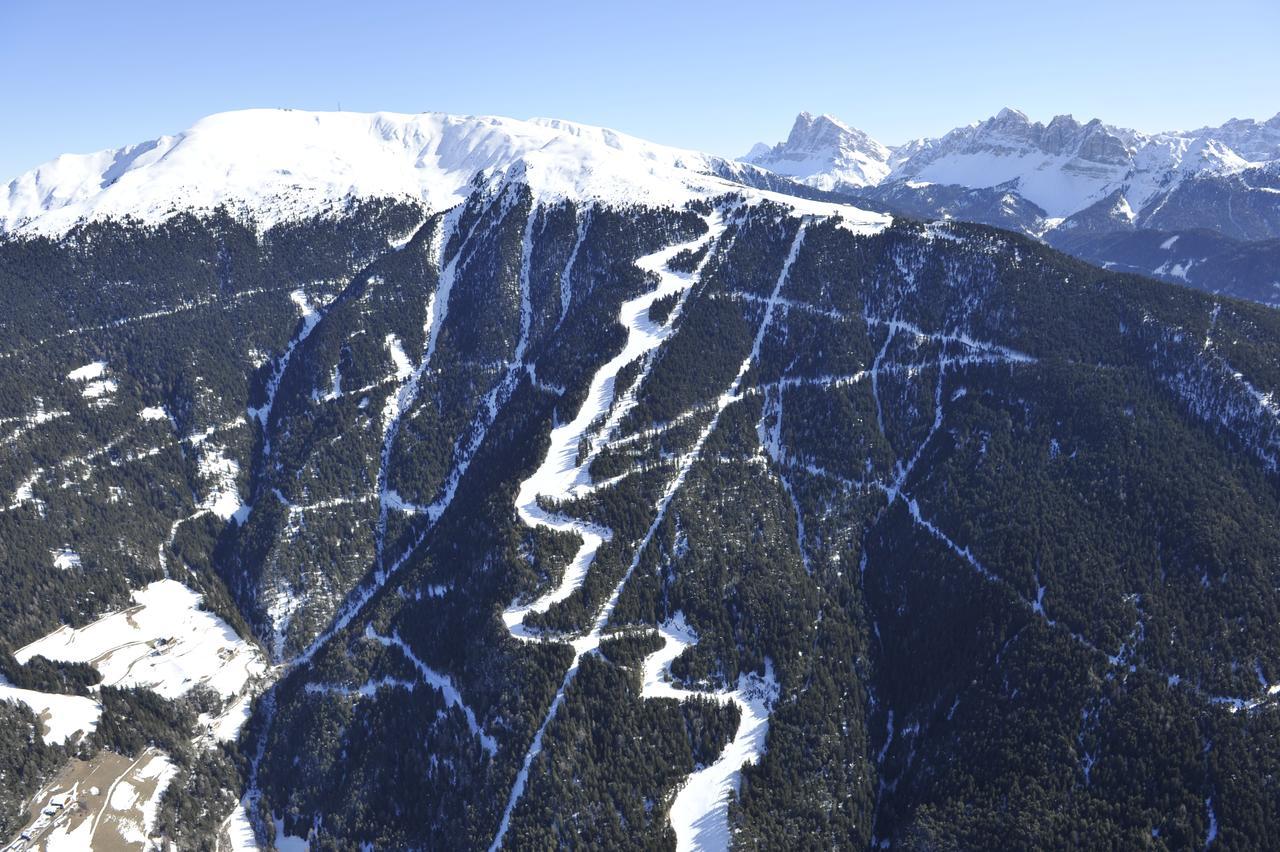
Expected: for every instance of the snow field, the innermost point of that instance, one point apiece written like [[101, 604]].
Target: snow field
[[164, 643]]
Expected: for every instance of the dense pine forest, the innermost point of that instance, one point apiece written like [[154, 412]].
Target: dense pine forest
[[987, 534]]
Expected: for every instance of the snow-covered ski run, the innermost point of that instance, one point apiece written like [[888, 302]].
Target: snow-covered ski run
[[699, 815], [700, 811]]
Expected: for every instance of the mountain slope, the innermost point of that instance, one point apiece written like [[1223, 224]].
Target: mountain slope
[[660, 515], [283, 165]]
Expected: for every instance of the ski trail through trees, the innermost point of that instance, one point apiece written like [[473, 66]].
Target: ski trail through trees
[[559, 477]]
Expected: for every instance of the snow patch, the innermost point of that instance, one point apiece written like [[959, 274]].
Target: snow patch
[[240, 830], [88, 372], [220, 473], [98, 388], [65, 559], [123, 797], [64, 718], [164, 642]]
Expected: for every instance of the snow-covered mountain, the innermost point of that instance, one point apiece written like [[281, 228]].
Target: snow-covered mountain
[[274, 165], [1066, 166], [1063, 167], [826, 153], [1101, 192], [558, 489]]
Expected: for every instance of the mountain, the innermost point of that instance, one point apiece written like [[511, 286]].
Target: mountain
[[1203, 259], [1092, 180], [280, 165], [1061, 167], [526, 485], [825, 153], [1065, 166]]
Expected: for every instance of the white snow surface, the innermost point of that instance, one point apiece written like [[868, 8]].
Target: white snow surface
[[65, 718], [66, 839], [98, 388], [164, 643], [123, 797], [288, 842], [88, 372], [65, 558], [273, 165], [700, 812], [240, 830]]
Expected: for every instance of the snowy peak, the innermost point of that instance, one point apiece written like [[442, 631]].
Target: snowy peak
[[824, 152], [1063, 167], [816, 133], [1251, 141], [1009, 114], [277, 165]]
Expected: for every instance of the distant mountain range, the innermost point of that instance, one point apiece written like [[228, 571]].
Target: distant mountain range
[[1101, 192], [1064, 167]]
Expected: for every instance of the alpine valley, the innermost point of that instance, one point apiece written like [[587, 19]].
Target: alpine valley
[[439, 482]]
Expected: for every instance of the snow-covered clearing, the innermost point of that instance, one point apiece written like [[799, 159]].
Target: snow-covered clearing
[[88, 372], [95, 386], [220, 473], [99, 388], [64, 718], [404, 369], [65, 558], [164, 643]]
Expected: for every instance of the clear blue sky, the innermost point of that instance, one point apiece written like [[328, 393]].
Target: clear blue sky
[[80, 76]]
